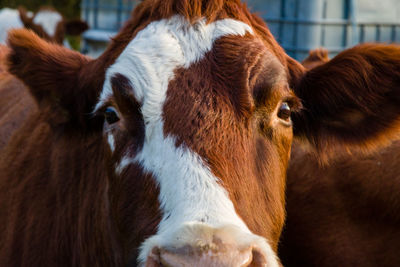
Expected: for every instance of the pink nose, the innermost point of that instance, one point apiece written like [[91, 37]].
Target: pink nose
[[218, 254]]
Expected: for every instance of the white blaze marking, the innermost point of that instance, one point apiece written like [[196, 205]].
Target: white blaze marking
[[189, 192], [48, 20], [111, 141]]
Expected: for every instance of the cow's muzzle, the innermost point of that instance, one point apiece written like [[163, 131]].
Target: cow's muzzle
[[201, 245]]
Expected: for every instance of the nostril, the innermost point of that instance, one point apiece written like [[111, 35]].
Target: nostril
[[258, 259], [153, 260], [187, 257], [196, 244]]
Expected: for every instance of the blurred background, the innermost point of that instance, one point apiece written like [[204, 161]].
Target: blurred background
[[69, 8], [299, 25]]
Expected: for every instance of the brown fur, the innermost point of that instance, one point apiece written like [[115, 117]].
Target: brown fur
[[233, 110], [351, 101], [3, 54], [61, 202], [64, 27], [15, 104], [345, 213], [316, 58]]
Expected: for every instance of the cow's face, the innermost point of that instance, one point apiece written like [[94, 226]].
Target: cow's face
[[197, 116], [50, 25]]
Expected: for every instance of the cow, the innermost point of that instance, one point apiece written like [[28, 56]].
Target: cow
[[46, 22], [347, 209], [3, 55], [171, 148], [344, 213], [315, 58]]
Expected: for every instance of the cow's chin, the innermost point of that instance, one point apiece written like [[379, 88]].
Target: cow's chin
[[199, 244]]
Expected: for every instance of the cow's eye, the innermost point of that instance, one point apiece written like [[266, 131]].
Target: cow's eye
[[111, 115], [284, 111]]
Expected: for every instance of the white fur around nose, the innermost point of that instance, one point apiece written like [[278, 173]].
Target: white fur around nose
[[48, 20], [189, 192]]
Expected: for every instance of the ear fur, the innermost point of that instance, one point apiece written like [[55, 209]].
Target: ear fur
[[352, 101], [75, 27], [52, 73], [316, 58], [295, 71]]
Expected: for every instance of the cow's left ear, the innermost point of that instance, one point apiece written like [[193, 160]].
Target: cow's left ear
[[25, 17], [352, 101], [75, 27], [58, 78]]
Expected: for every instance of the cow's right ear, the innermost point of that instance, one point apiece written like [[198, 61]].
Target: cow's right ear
[[54, 75], [351, 102]]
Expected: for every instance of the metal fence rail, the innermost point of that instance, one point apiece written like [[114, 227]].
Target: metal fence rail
[[361, 27], [298, 25], [353, 30], [120, 8]]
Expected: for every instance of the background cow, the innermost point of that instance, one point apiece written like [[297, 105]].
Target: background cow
[[316, 58], [47, 23], [172, 147], [347, 209], [345, 213]]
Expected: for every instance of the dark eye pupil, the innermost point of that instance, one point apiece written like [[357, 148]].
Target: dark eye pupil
[[111, 115], [284, 111]]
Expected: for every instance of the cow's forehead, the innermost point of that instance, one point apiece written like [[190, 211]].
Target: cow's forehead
[[49, 20], [151, 57]]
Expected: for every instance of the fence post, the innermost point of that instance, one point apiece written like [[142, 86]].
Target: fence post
[[353, 21]]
